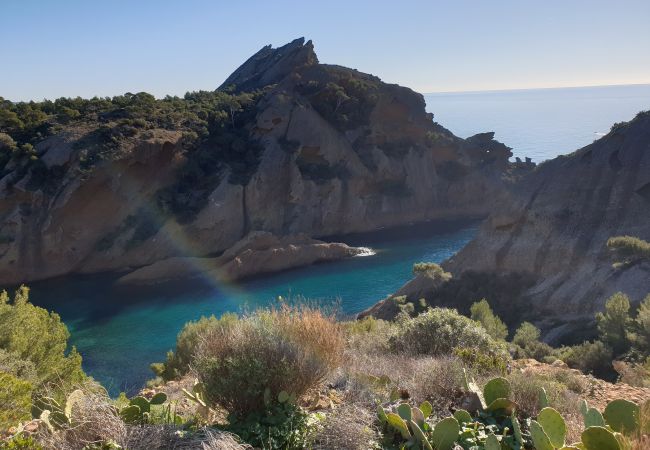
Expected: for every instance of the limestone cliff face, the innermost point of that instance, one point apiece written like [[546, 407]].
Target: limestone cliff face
[[556, 224], [341, 152]]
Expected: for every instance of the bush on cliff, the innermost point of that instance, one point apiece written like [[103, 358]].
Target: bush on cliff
[[439, 331], [288, 349], [629, 248], [178, 361], [483, 314], [38, 338]]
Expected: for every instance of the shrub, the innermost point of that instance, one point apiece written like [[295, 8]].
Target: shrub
[[429, 268], [288, 349], [527, 344], [36, 336], [483, 314], [614, 323], [629, 248], [439, 331], [15, 400], [589, 357], [640, 334], [526, 334], [178, 361]]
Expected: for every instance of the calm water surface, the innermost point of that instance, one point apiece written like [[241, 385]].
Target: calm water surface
[[119, 333]]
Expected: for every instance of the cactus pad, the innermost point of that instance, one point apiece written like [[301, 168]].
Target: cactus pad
[[599, 438], [398, 423], [426, 408], [496, 388], [419, 435], [462, 416], [492, 443], [404, 411], [553, 425], [158, 399], [622, 416], [540, 438], [445, 433]]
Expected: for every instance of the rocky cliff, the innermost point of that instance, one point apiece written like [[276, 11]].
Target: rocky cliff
[[287, 145], [557, 222]]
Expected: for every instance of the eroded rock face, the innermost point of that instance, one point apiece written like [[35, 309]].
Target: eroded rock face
[[559, 219], [341, 152]]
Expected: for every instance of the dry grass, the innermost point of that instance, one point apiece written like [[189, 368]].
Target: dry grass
[[94, 420], [289, 349], [350, 427], [436, 379], [525, 392]]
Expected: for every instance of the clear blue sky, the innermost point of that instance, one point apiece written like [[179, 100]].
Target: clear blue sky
[[53, 48]]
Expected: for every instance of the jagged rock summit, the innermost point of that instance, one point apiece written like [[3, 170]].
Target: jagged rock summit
[[288, 146], [270, 65]]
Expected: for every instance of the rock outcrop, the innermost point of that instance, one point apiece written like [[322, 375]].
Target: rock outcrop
[[557, 222], [256, 254], [339, 152]]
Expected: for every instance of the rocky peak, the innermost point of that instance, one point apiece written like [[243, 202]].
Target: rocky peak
[[270, 65]]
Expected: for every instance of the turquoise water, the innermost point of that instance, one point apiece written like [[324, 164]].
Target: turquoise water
[[540, 123], [119, 333]]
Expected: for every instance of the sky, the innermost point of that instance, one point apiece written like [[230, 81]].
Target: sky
[[54, 48]]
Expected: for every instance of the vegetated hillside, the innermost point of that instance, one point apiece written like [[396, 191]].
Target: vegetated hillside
[[558, 223], [286, 145]]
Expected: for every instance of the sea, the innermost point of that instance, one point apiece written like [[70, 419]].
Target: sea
[[120, 332]]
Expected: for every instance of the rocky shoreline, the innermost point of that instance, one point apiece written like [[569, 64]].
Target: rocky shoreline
[[257, 254]]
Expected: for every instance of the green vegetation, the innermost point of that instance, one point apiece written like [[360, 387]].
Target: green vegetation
[[343, 99], [34, 355], [293, 377], [438, 331], [431, 269], [215, 137], [494, 424], [289, 349], [178, 361], [483, 314], [629, 248]]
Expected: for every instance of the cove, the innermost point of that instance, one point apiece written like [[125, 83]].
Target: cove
[[120, 332]]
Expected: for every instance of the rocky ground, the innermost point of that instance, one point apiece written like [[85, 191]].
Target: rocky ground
[[598, 393]]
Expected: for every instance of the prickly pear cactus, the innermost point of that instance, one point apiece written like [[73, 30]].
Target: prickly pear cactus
[[462, 416], [542, 398], [516, 429], [404, 411], [74, 398], [622, 416], [599, 438], [419, 435], [492, 443], [445, 434], [141, 403], [398, 423], [591, 416], [540, 438], [417, 416], [158, 399], [553, 425], [496, 388], [426, 408]]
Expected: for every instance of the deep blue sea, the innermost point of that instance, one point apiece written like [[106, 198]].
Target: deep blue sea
[[120, 332]]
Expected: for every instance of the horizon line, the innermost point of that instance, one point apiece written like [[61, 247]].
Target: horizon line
[[476, 91]]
